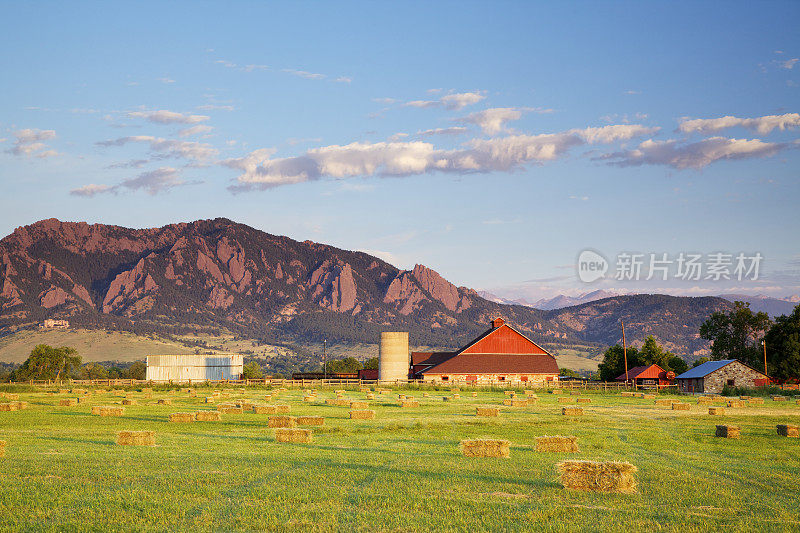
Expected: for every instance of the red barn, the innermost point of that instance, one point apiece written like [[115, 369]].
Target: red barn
[[500, 354], [648, 375]]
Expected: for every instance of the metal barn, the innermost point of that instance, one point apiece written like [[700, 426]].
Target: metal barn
[[183, 368]]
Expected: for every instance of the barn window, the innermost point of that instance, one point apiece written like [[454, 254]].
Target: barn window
[[445, 378], [731, 382], [501, 378]]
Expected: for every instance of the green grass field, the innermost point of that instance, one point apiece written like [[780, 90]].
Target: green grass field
[[402, 471]]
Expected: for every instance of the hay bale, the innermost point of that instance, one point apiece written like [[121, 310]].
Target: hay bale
[[209, 399], [648, 396], [338, 402], [514, 402], [208, 416], [664, 402], [572, 411], [181, 417], [282, 421], [704, 400], [486, 448], [136, 438], [164, 401], [678, 406], [566, 399], [293, 435], [283, 409], [529, 393], [310, 421], [230, 410], [9, 396], [474, 394], [778, 398], [409, 404], [63, 391], [584, 400], [555, 391], [627, 394], [756, 401], [265, 409], [487, 411], [574, 393], [9, 406], [359, 405], [788, 430], [78, 391], [610, 476], [557, 443], [370, 396], [727, 432], [21, 406], [309, 398], [736, 403], [716, 410], [426, 394], [456, 396], [108, 410], [68, 402], [129, 402], [362, 414]]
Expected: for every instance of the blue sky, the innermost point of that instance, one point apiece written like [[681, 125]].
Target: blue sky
[[490, 141]]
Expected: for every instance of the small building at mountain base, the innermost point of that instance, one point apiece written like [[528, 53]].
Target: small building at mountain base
[[647, 375], [501, 354], [713, 376]]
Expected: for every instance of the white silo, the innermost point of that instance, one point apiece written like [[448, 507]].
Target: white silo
[[393, 360]]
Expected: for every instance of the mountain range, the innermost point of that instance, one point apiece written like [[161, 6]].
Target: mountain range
[[218, 275]]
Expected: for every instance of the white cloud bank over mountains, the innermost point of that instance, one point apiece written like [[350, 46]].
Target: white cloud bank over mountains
[[260, 171]]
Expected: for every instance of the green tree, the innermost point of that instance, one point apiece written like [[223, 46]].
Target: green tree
[[47, 362], [568, 373], [677, 364], [736, 335], [93, 371], [700, 361], [137, 370], [783, 347], [613, 364], [371, 364], [651, 353], [347, 365], [252, 370]]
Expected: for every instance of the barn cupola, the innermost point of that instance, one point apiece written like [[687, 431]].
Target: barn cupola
[[497, 322]]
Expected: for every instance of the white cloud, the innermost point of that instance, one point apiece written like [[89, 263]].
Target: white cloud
[[455, 130], [92, 189], [155, 181], [789, 63], [422, 103], [385, 100], [453, 101], [166, 80], [195, 130], [694, 155], [305, 74], [167, 148], [29, 143], [398, 136], [492, 121], [168, 117], [619, 132], [762, 125], [343, 79], [461, 100], [260, 171]]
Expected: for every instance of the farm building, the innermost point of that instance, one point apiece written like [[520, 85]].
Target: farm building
[[712, 376], [183, 368], [500, 354], [647, 375]]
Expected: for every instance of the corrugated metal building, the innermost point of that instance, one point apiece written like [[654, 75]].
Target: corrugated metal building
[[183, 368], [500, 354]]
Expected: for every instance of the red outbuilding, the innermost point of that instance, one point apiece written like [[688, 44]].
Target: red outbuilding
[[648, 375], [501, 354]]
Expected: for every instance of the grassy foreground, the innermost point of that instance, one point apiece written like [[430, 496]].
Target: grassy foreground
[[400, 472]]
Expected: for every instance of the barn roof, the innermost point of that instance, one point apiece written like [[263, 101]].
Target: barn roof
[[705, 369], [514, 353], [430, 358], [642, 372]]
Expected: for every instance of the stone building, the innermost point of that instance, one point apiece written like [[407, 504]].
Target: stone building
[[712, 376], [501, 354]]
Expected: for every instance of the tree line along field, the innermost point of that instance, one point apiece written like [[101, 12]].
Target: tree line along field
[[402, 471]]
